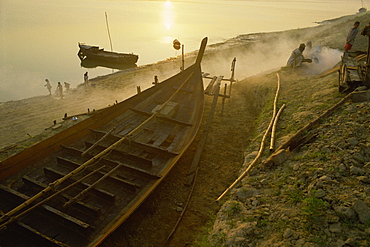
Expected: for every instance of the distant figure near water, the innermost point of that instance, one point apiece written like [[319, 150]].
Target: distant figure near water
[[48, 86], [60, 90], [296, 58], [350, 40], [86, 79], [67, 86]]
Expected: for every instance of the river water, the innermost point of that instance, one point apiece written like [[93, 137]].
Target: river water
[[39, 38]]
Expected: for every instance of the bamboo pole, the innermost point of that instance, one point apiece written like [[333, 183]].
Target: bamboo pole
[[272, 143], [74, 199], [274, 112], [96, 143], [262, 147]]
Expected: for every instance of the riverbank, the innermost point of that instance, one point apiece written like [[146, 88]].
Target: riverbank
[[237, 130]]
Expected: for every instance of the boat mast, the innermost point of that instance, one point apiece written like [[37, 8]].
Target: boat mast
[[110, 40]]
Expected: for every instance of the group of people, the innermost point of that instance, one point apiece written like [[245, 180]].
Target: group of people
[[59, 90], [296, 58]]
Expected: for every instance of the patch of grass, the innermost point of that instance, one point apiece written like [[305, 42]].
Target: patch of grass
[[313, 155], [295, 196], [313, 209], [235, 208]]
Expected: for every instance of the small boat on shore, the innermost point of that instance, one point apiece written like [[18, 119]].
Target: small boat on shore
[[91, 63], [362, 9], [77, 187], [99, 54]]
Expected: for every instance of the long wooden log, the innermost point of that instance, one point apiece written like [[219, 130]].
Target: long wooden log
[[82, 193], [274, 112], [273, 131]]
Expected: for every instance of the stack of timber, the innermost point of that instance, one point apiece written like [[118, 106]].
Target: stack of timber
[[78, 186]]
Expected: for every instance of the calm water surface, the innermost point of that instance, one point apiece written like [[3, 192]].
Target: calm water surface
[[39, 37]]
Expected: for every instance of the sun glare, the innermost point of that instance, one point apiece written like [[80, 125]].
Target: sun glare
[[167, 14]]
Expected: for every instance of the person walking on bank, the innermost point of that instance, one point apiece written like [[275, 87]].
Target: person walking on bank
[[60, 90], [48, 86], [350, 40], [86, 79], [67, 86]]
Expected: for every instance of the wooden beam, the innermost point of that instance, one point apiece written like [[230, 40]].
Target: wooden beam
[[194, 164]]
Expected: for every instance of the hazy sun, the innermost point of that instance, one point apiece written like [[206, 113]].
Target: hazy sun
[[167, 14]]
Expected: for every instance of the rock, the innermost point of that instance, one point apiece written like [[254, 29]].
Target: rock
[[325, 178], [363, 179], [350, 242], [356, 171], [346, 213], [335, 228], [277, 158], [238, 235], [251, 156], [362, 211], [360, 96], [320, 193], [352, 141], [245, 192], [359, 157], [288, 233], [340, 243], [365, 148], [300, 242], [342, 168]]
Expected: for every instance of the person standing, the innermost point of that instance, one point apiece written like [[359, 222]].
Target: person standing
[[67, 86], [60, 90], [350, 40], [86, 79], [48, 86]]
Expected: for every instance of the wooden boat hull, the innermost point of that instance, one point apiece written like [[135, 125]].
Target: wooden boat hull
[[90, 63], [98, 54], [88, 179]]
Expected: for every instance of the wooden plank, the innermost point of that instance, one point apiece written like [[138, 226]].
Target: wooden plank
[[99, 192], [210, 85], [48, 240], [59, 216], [194, 165], [86, 208]]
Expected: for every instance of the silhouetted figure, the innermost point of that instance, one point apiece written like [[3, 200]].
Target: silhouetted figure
[[60, 90], [67, 86], [86, 79], [350, 40], [48, 86]]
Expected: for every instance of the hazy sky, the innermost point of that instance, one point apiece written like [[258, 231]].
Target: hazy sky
[[39, 37]]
